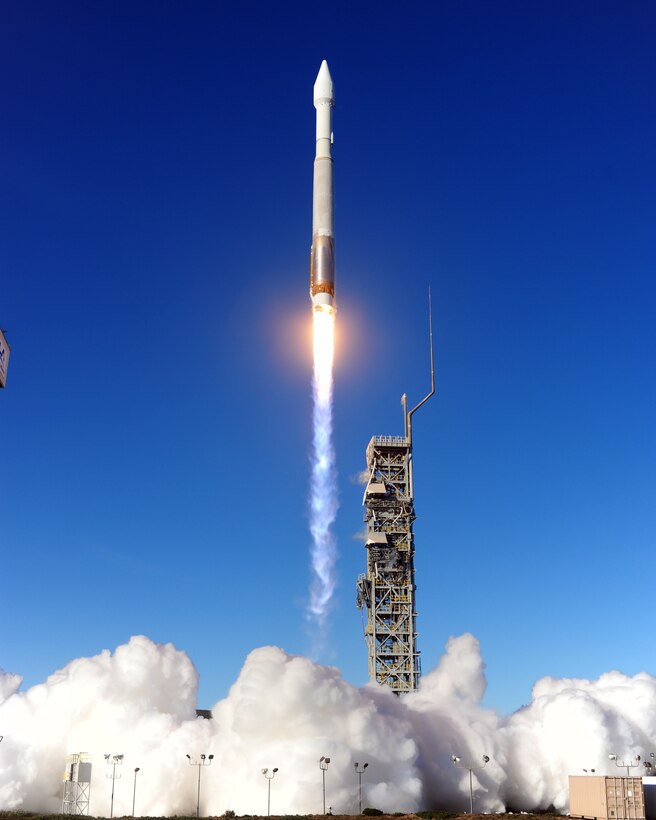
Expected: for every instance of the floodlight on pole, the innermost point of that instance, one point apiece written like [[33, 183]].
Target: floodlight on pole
[[470, 767], [622, 764], [205, 760], [269, 774], [323, 765], [113, 761], [134, 790], [360, 771]]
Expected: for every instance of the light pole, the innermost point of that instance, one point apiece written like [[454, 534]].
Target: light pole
[[459, 765], [649, 765], [134, 790], [205, 760], [269, 774], [622, 765], [323, 765], [360, 771], [113, 761]]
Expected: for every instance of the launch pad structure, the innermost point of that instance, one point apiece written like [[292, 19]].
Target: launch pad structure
[[387, 590], [77, 784]]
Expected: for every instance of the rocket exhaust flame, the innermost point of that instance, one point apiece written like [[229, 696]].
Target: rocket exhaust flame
[[323, 488]]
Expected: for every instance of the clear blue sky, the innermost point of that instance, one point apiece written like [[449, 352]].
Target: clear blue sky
[[156, 173]]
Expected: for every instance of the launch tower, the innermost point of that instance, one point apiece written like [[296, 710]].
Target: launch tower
[[387, 590]]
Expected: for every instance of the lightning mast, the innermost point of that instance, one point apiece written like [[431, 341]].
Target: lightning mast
[[387, 590]]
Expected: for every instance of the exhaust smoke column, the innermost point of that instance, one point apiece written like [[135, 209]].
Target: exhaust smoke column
[[323, 491]]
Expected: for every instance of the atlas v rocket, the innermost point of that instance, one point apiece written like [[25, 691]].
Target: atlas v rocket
[[322, 253]]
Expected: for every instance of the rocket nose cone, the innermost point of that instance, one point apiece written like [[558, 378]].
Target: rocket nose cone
[[323, 85]]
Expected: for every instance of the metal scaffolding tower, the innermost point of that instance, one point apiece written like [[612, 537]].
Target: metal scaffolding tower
[[77, 784], [387, 590]]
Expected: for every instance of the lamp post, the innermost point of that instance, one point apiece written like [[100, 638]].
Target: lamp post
[[323, 765], [459, 765], [621, 764], [113, 761], [269, 774], [649, 765], [205, 760], [134, 790], [360, 771]]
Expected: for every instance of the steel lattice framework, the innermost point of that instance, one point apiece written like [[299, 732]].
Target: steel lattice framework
[[387, 590], [77, 784]]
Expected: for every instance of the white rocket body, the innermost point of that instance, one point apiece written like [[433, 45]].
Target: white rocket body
[[322, 253]]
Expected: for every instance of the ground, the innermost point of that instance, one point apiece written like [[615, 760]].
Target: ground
[[433, 815]]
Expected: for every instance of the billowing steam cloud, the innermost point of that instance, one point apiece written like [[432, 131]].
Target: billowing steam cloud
[[287, 711], [323, 482]]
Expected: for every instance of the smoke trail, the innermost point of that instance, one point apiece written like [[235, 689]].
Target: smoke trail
[[323, 486], [286, 711]]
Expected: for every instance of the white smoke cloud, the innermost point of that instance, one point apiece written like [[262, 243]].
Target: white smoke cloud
[[140, 701], [287, 711], [574, 724]]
